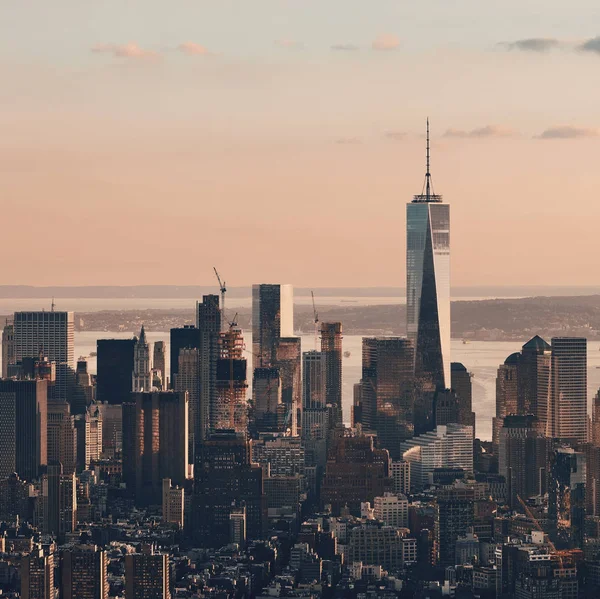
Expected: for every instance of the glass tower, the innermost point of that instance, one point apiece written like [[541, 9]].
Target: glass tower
[[428, 282]]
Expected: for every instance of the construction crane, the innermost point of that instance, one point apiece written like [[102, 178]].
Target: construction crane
[[223, 289], [316, 319]]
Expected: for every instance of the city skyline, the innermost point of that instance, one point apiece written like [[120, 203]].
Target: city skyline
[[136, 117]]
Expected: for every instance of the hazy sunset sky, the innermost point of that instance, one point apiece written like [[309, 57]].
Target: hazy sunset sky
[[144, 141]]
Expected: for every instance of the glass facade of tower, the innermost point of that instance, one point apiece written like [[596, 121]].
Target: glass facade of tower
[[428, 287]]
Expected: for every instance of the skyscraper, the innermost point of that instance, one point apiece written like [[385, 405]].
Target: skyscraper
[[51, 333], [23, 428], [141, 377], [187, 379], [428, 282], [8, 347], [147, 575], [37, 575], [272, 318], [387, 399], [313, 380], [62, 442], [158, 363], [84, 573], [462, 386], [331, 350], [186, 337], [288, 360], [506, 394], [534, 379], [114, 367], [567, 417]]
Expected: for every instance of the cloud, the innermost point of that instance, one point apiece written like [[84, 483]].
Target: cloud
[[591, 45], [344, 47], [386, 41], [348, 141], [534, 44], [567, 132], [289, 44], [394, 135], [193, 49], [130, 50], [481, 132]]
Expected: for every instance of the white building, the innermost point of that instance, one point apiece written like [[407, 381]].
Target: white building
[[448, 446], [391, 509]]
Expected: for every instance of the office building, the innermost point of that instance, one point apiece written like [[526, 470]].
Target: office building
[[534, 380], [147, 575], [387, 398], [208, 323], [186, 337], [90, 431], [566, 496], [313, 380], [461, 385], [173, 503], [8, 347], [187, 380], [84, 388], [37, 575], [114, 370], [523, 458], [400, 473], [84, 573], [449, 446], [375, 544], [288, 360], [391, 509], [230, 410], [23, 428], [112, 428], [356, 471], [60, 501], [14, 498], [237, 526], [62, 440], [159, 367], [141, 376], [225, 478], [428, 282], [331, 350], [506, 395], [155, 443], [269, 412], [446, 407], [595, 436], [567, 415], [454, 517], [272, 318], [52, 334], [279, 456]]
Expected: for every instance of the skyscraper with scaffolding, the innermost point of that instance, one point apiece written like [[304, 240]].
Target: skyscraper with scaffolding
[[428, 282]]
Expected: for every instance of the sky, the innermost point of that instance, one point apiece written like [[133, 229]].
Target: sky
[[146, 141]]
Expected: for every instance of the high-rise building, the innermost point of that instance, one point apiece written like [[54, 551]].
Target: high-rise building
[[84, 388], [14, 498], [272, 319], [387, 398], [8, 347], [23, 428], [155, 443], [288, 360], [461, 384], [523, 458], [147, 575], [112, 428], [269, 412], [449, 446], [313, 380], [141, 377], [279, 456], [230, 410], [62, 440], [595, 440], [114, 370], [187, 380], [60, 499], [225, 479], [186, 337], [209, 327], [400, 473], [567, 416], [391, 509], [331, 350], [428, 282], [173, 503], [37, 575], [534, 380], [454, 518], [159, 367], [84, 573], [566, 496], [52, 334], [506, 395], [89, 427]]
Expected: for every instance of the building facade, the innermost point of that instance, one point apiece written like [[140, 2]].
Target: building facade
[[114, 370]]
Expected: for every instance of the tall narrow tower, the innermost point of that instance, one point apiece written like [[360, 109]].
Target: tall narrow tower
[[428, 282]]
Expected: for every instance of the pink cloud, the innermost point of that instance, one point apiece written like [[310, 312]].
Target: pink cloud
[[386, 41], [129, 50], [193, 49]]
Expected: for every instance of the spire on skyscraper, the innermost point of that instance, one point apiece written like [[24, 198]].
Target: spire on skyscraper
[[427, 194]]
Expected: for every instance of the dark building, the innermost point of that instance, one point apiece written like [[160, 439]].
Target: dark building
[[14, 499], [288, 360], [454, 517], [387, 390], [115, 365], [533, 380], [446, 407], [331, 350], [224, 479], [356, 471], [566, 496], [84, 573], [187, 337], [523, 458], [461, 384], [37, 575], [23, 428], [147, 575], [155, 443], [209, 327]]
